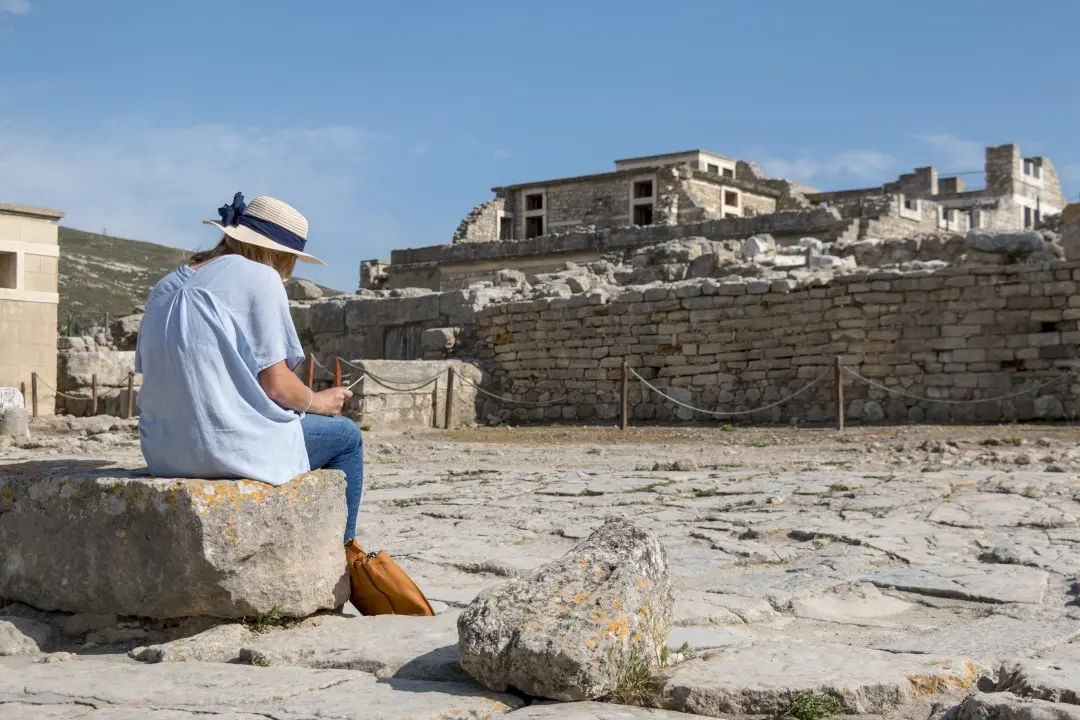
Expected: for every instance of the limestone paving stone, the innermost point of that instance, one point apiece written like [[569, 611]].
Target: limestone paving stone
[[399, 646], [151, 547], [283, 693], [218, 644], [990, 640], [765, 678], [595, 711], [980, 583], [1053, 676], [1006, 706]]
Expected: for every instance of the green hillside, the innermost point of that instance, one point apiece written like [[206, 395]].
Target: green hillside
[[100, 274]]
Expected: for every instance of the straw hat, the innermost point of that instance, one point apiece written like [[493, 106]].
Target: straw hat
[[266, 222]]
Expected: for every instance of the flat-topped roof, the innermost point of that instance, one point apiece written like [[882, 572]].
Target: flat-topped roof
[[30, 211], [662, 156]]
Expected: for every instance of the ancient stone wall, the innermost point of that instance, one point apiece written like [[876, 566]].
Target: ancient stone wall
[[482, 223], [958, 334]]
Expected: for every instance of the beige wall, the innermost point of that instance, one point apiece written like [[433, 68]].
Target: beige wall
[[29, 256]]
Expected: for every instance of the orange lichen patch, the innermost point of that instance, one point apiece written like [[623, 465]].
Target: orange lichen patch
[[559, 607], [6, 494], [598, 616], [562, 639], [945, 681], [120, 533], [580, 598], [635, 638], [591, 644], [532, 625], [619, 627], [584, 562], [640, 583], [618, 605]]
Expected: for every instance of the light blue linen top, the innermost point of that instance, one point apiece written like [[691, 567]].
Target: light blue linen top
[[206, 335]]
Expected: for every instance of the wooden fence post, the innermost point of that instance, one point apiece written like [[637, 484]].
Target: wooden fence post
[[449, 409], [131, 394], [93, 395], [33, 390], [337, 372], [435, 405], [838, 381], [625, 394], [22, 389], [311, 371]]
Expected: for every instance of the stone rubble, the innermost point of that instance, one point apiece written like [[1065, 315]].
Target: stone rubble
[[892, 572]]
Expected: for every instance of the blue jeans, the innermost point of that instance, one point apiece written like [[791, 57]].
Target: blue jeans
[[335, 443]]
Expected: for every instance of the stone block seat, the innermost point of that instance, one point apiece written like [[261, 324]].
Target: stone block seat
[[98, 537]]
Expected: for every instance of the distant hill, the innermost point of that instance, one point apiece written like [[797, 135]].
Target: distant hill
[[101, 274]]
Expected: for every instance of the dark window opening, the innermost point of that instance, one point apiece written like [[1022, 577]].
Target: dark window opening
[[731, 199], [909, 203], [714, 169], [506, 228], [534, 202], [534, 227], [1047, 327], [973, 219], [1038, 217], [729, 173], [643, 214], [1012, 364], [643, 189], [1027, 217], [945, 214], [8, 274]]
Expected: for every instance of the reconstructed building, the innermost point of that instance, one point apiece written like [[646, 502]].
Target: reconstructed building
[[536, 226], [29, 272]]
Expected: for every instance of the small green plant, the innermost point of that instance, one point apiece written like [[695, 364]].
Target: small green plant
[[705, 492], [270, 620], [813, 706], [839, 487], [1015, 441], [654, 486], [760, 444], [726, 428], [366, 427], [258, 659], [635, 683], [1029, 492]]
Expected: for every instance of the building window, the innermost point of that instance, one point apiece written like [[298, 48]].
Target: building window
[[714, 169], [1027, 217], [729, 173], [911, 204], [731, 199], [534, 226], [8, 267], [506, 228], [534, 201], [945, 214], [1032, 168], [643, 214], [973, 219], [643, 189]]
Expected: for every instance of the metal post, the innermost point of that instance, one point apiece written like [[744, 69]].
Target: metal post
[[310, 370], [131, 393], [838, 381], [33, 390], [625, 394], [337, 372], [449, 409], [93, 395]]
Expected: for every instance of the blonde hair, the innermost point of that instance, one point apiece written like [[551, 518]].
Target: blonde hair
[[284, 263]]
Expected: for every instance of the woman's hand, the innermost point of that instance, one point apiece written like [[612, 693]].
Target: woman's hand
[[284, 388], [329, 401]]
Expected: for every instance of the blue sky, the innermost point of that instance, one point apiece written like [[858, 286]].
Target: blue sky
[[386, 122]]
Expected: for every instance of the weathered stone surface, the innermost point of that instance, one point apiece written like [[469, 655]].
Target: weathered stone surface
[[20, 636], [860, 605], [125, 331], [280, 693], [990, 640], [411, 648], [135, 545], [1005, 706], [764, 679], [298, 289], [1054, 676], [81, 623], [981, 583], [595, 711], [11, 398], [565, 630], [219, 644], [14, 422]]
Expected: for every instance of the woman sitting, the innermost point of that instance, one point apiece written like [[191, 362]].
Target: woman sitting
[[217, 349]]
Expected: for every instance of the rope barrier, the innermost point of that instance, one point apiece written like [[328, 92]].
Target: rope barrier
[[948, 401], [63, 395], [530, 403], [731, 413]]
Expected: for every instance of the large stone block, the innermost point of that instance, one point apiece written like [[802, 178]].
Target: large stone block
[[100, 538], [570, 629]]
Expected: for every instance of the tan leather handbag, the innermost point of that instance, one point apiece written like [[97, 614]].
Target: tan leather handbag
[[380, 586]]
